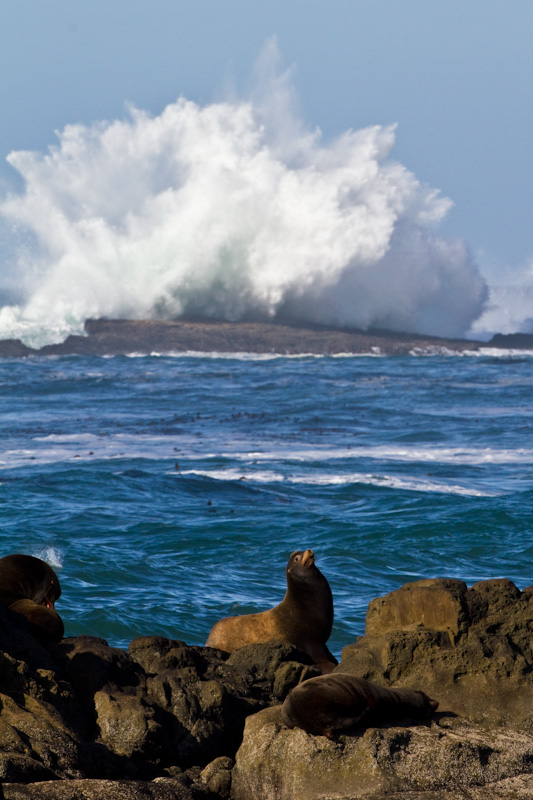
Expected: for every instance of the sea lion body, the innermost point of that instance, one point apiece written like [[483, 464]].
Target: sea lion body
[[304, 617], [338, 701], [30, 587]]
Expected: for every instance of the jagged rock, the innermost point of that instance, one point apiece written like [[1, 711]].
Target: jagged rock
[[277, 763], [164, 719], [83, 709], [470, 649], [35, 743], [208, 695], [277, 666]]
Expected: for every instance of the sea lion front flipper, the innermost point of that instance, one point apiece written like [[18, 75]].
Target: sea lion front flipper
[[321, 656]]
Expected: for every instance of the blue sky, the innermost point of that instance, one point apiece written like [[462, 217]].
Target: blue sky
[[455, 75]]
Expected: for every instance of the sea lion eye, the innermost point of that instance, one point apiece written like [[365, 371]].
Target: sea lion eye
[[297, 558]]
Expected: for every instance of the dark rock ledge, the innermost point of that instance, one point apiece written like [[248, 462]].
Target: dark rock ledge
[[120, 337], [82, 720]]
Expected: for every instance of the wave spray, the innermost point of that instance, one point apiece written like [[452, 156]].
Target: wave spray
[[234, 211]]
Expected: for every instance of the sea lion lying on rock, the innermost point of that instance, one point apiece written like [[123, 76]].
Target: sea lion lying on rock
[[304, 617], [334, 702], [28, 586]]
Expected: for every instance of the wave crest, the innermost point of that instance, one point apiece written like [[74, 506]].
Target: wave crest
[[236, 211]]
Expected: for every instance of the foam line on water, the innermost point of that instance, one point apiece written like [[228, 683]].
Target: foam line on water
[[368, 479]]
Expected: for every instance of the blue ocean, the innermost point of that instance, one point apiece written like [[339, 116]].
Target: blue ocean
[[168, 491]]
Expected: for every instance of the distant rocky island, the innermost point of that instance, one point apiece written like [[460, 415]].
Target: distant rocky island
[[121, 337]]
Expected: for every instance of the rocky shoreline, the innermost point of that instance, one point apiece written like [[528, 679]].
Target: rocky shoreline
[[82, 720], [116, 337]]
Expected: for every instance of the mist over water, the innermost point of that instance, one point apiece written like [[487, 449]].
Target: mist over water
[[235, 210]]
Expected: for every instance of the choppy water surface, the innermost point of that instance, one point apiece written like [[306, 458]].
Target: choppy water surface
[[169, 491]]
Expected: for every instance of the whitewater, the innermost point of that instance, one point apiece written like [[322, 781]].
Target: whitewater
[[236, 210]]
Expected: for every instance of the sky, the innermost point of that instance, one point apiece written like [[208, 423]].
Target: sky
[[455, 76]]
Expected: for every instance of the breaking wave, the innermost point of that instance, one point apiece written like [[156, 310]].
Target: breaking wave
[[235, 210]]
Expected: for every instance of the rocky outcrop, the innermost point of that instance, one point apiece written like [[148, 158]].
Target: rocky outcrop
[[159, 789], [84, 720], [82, 711], [430, 761], [471, 649], [121, 336]]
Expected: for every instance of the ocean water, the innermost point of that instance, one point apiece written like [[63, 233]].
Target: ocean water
[[169, 491]]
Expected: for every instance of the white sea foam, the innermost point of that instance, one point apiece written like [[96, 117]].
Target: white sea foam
[[52, 556], [234, 210], [323, 479], [411, 453], [86, 447]]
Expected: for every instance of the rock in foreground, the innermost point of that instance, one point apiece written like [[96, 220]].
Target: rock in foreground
[[470, 649], [165, 720], [443, 759]]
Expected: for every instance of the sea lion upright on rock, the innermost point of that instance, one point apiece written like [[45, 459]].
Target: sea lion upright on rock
[[304, 617], [338, 701], [30, 587]]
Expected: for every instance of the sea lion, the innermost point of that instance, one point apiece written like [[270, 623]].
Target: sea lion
[[334, 702], [304, 617], [30, 587]]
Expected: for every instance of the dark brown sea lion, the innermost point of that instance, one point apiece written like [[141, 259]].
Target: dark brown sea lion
[[334, 702], [304, 617], [28, 586]]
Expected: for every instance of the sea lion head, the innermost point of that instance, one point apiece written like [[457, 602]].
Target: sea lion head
[[25, 577], [301, 563], [429, 705]]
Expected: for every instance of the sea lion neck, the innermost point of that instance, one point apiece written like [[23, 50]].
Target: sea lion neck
[[309, 592]]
